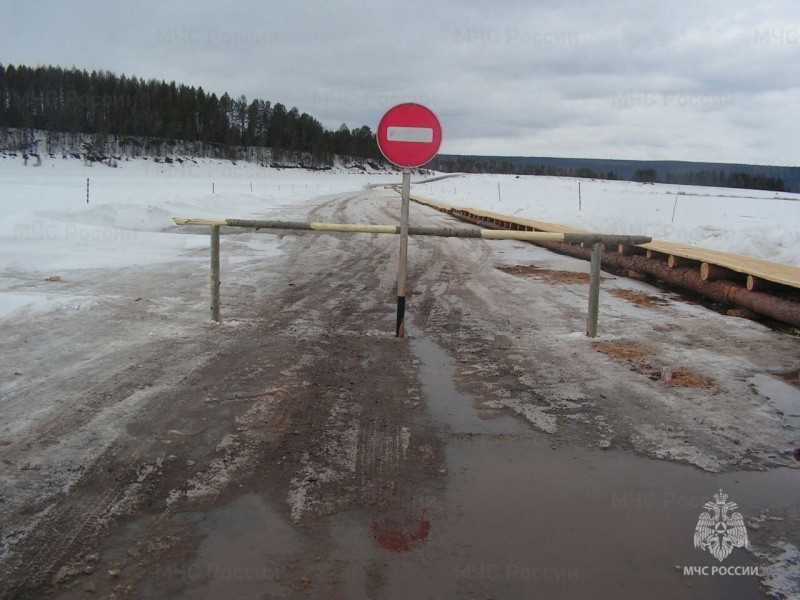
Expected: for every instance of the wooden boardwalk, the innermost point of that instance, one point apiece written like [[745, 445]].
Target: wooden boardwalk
[[756, 274]]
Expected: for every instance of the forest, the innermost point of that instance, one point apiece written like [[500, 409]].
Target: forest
[[703, 177], [101, 103]]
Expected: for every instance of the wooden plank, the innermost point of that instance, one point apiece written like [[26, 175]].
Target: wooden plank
[[440, 206], [769, 271], [537, 225], [776, 272]]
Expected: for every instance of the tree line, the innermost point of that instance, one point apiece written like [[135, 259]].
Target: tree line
[[102, 103], [469, 164], [740, 180]]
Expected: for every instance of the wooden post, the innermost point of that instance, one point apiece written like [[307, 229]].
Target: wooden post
[[656, 255], [87, 190], [400, 331], [580, 203], [756, 284], [594, 290], [712, 272], [673, 262], [215, 313]]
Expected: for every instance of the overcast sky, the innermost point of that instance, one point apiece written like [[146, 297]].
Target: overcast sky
[[682, 80]]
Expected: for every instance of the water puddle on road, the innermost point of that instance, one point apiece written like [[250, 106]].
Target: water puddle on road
[[516, 516], [781, 395], [243, 544], [458, 412], [524, 518]]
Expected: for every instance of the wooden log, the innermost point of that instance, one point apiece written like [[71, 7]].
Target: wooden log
[[628, 250], [673, 262], [712, 272], [656, 255], [721, 291], [496, 232], [756, 284]]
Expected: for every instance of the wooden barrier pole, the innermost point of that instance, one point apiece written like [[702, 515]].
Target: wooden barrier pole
[[215, 283], [594, 290], [486, 234], [400, 331]]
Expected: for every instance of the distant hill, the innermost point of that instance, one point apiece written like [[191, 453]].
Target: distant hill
[[663, 171]]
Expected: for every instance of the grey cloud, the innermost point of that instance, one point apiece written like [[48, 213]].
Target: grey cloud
[[679, 80]]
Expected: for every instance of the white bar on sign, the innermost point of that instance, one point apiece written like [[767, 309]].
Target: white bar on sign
[[410, 134]]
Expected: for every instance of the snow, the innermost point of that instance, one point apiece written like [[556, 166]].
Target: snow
[[780, 577], [49, 230], [752, 223], [49, 227], [122, 247]]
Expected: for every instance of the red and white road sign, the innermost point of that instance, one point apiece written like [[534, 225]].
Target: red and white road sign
[[409, 135]]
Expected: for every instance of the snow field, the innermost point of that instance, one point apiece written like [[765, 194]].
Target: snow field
[[48, 229], [752, 223]]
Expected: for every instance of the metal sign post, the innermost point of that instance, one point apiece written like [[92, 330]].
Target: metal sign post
[[402, 273], [409, 136]]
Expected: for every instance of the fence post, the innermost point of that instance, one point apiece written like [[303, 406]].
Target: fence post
[[594, 290], [215, 316]]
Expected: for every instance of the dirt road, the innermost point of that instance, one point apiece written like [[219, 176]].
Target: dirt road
[[302, 451]]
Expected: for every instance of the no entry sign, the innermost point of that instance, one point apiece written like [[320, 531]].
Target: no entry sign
[[409, 135]]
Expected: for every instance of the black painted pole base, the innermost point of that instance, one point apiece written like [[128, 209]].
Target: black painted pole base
[[401, 317]]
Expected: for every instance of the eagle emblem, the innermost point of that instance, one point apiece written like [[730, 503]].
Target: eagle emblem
[[718, 531]]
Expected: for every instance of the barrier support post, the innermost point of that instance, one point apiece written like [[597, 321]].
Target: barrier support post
[[594, 290], [215, 283]]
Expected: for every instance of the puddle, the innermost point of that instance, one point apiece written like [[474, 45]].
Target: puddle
[[517, 517], [781, 395], [244, 543], [447, 405], [521, 518]]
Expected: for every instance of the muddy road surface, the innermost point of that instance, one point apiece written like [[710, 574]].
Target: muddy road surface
[[300, 450]]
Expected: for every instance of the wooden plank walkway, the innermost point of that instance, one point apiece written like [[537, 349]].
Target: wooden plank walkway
[[760, 274], [761, 269]]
